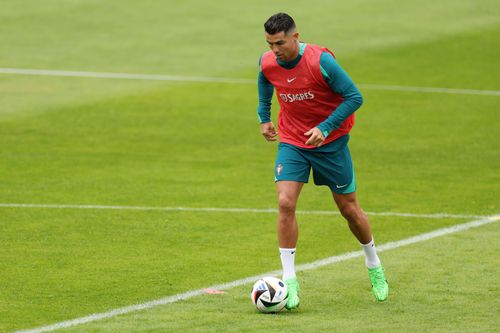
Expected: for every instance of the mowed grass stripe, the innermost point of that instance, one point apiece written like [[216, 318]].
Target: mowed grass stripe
[[233, 210], [225, 286], [207, 79]]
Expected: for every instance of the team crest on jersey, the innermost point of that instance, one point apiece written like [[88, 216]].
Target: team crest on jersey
[[279, 168], [290, 98]]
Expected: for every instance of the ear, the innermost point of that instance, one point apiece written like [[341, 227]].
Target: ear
[[295, 35]]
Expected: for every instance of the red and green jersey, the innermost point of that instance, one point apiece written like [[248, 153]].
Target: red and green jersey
[[306, 96]]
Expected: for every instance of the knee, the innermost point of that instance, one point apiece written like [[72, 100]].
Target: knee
[[286, 204], [350, 211]]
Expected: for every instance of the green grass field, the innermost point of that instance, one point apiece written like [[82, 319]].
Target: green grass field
[[144, 143]]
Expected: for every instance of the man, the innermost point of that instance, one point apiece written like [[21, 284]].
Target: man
[[317, 101]]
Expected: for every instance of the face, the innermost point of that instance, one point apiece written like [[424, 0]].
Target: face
[[284, 46]]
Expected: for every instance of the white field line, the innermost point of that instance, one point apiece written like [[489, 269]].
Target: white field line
[[251, 279], [180, 78], [127, 76], [453, 91], [233, 210]]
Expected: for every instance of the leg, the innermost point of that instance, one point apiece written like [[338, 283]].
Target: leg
[[288, 194], [360, 227], [356, 218]]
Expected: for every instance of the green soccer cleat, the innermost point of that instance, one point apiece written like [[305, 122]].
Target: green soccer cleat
[[380, 287], [293, 293]]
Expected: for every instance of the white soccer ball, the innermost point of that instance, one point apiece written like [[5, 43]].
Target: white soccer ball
[[269, 295]]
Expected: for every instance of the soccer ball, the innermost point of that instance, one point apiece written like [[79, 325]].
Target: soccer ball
[[269, 295]]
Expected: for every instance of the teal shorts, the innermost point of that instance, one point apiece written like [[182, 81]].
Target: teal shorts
[[331, 165]]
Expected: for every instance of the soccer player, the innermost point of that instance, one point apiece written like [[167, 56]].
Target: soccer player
[[317, 102]]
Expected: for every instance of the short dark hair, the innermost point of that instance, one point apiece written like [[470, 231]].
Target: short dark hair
[[278, 23]]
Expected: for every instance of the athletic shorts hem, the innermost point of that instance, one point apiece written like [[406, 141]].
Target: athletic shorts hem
[[291, 180], [341, 191]]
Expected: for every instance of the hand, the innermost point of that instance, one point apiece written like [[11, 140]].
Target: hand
[[316, 137], [268, 131]]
